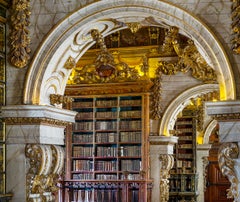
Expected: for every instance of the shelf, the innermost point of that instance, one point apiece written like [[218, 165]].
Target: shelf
[[106, 140], [183, 179]]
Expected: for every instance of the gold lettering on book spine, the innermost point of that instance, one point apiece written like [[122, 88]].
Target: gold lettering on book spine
[[19, 34]]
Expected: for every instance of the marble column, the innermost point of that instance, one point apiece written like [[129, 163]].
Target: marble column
[[202, 162], [34, 136], [161, 161], [227, 113]]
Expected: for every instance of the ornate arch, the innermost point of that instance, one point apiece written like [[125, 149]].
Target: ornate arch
[[179, 103], [70, 39]]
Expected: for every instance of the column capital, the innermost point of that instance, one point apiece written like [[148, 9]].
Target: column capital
[[223, 110], [36, 124], [227, 113]]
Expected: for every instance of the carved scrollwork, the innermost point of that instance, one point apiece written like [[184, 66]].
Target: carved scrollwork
[[45, 165], [205, 164], [189, 59], [226, 155], [236, 26], [19, 35], [56, 99], [167, 162], [70, 63], [156, 98]]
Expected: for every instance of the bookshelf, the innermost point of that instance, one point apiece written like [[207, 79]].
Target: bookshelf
[[183, 177], [108, 147]]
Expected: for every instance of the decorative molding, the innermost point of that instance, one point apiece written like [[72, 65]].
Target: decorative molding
[[100, 89], [70, 63], [19, 35], [189, 59], [205, 171], [45, 166], [166, 161], [134, 26], [34, 121], [56, 99], [156, 97], [226, 116], [236, 26], [226, 155]]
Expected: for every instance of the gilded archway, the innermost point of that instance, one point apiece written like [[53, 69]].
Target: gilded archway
[[70, 39]]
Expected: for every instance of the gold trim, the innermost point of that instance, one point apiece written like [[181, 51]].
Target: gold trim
[[236, 26], [70, 63], [19, 35], [34, 121], [56, 99]]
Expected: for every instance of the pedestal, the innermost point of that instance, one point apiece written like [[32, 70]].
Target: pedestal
[[34, 135]]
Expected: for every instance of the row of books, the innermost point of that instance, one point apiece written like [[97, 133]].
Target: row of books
[[136, 124], [82, 151], [130, 165], [108, 125], [106, 137], [130, 151], [109, 137], [83, 138], [185, 164], [106, 165], [81, 165], [106, 151], [90, 176], [130, 136]]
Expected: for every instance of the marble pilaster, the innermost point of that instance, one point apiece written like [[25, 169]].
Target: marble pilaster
[[34, 125], [202, 161], [161, 150]]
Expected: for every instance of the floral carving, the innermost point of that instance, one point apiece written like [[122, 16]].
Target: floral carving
[[19, 35]]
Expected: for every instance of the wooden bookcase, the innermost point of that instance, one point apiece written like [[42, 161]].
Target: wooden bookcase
[[183, 177], [107, 147]]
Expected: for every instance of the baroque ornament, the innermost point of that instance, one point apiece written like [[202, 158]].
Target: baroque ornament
[[45, 167], [189, 59], [226, 155], [19, 35], [167, 162], [236, 26], [56, 99], [106, 68]]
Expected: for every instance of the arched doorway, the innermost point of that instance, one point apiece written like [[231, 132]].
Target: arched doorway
[[66, 44]]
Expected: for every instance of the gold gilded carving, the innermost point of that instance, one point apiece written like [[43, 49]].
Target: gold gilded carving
[[33, 121], [189, 59], [19, 35], [166, 162], [70, 63], [236, 26], [134, 26], [45, 164], [226, 155], [156, 98], [99, 89], [56, 99], [205, 164], [107, 68], [227, 116], [104, 62]]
